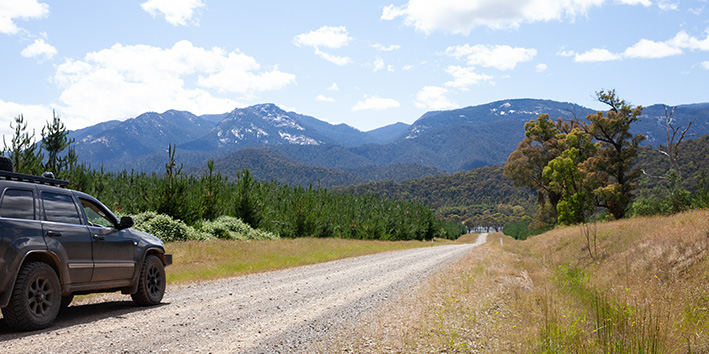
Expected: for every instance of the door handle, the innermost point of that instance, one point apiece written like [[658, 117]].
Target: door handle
[[54, 234], [99, 237]]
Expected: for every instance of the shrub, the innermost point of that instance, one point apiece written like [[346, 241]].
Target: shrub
[[517, 230], [166, 228], [231, 228]]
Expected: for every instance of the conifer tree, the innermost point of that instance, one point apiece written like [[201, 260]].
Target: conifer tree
[[55, 140], [245, 206], [211, 193], [23, 149], [172, 195]]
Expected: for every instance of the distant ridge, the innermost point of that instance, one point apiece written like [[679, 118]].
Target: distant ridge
[[439, 141]]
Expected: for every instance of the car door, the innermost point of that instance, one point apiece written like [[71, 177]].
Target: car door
[[20, 231], [66, 235], [114, 251]]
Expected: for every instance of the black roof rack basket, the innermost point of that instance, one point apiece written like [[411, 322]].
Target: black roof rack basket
[[12, 176]]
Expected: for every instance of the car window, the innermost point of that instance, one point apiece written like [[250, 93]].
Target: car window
[[96, 215], [60, 208], [17, 204]]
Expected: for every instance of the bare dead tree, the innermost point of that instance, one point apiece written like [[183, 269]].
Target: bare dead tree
[[672, 148], [590, 232]]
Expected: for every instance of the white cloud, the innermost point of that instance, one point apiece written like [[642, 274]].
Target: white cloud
[[323, 98], [651, 50], [10, 10], [333, 87], [462, 16], [645, 3], [39, 48], [705, 64], [176, 12], [375, 103], [667, 5], [407, 67], [596, 55], [391, 12], [501, 57], [384, 48], [465, 77], [685, 41], [566, 53], [433, 98], [329, 37], [35, 116], [541, 68], [236, 75], [378, 64], [335, 59], [123, 81], [648, 49]]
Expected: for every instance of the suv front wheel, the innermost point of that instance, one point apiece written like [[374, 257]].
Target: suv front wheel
[[35, 299], [151, 285]]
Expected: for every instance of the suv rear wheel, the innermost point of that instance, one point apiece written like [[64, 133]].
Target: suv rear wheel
[[151, 285], [35, 299]]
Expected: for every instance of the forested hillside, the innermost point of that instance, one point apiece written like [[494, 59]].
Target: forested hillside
[[693, 161], [268, 164], [480, 197], [483, 195]]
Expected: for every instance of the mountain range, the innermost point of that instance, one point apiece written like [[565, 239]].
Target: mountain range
[[297, 149]]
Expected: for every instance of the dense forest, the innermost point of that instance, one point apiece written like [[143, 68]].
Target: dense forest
[[195, 199], [271, 164], [481, 198], [693, 162]]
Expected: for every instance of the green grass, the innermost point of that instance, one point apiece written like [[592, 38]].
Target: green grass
[[196, 261]]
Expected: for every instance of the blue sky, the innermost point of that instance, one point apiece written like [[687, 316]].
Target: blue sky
[[364, 63]]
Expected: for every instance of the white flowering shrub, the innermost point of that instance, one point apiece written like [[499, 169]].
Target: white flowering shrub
[[167, 228], [231, 228]]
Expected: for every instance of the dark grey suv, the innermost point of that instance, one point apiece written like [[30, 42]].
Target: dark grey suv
[[56, 242]]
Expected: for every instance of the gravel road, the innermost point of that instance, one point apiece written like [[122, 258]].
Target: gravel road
[[278, 312]]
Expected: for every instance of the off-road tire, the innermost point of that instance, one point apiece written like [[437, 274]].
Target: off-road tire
[[151, 284], [35, 299]]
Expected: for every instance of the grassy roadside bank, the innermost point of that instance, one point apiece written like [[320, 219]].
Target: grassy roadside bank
[[643, 288], [200, 261]]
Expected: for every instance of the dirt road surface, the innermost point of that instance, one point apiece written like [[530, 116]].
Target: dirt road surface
[[278, 312]]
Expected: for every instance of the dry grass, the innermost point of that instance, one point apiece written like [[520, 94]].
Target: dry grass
[[199, 261], [646, 290]]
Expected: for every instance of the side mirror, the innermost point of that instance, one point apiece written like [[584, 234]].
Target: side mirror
[[125, 223]]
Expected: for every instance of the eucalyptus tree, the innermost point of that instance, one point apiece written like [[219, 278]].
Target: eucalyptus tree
[[618, 148]]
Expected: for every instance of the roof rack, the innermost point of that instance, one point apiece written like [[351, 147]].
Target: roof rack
[[12, 176]]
